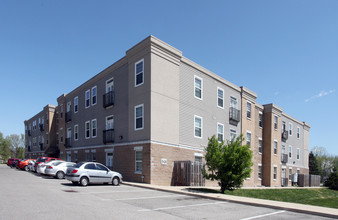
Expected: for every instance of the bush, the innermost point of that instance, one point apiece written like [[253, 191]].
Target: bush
[[332, 181]]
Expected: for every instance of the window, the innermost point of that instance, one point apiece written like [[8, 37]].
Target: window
[[290, 151], [138, 159], [87, 155], [69, 105], [233, 102], [93, 155], [198, 157], [298, 153], [220, 132], [76, 132], [198, 127], [260, 145], [198, 87], [220, 98], [283, 126], [248, 109], [87, 98], [290, 173], [87, 129], [139, 117], [298, 132], [94, 128], [61, 135], [260, 123], [139, 73], [248, 138], [274, 172], [94, 95], [276, 122], [232, 135], [61, 110], [260, 171], [275, 143], [76, 104], [290, 129]]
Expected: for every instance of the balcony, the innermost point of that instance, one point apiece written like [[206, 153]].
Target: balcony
[[108, 99], [29, 148], [108, 136], [68, 116], [285, 135], [234, 114], [41, 127], [42, 147], [68, 142], [284, 158], [29, 132], [285, 182]]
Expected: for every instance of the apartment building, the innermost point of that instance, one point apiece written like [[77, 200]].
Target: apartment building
[[154, 107], [40, 137]]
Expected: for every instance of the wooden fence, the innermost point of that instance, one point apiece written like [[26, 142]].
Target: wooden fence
[[188, 173]]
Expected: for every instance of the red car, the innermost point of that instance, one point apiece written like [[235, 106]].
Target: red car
[[23, 164], [43, 160], [11, 162]]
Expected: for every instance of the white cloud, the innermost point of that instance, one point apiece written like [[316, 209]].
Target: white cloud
[[321, 94]]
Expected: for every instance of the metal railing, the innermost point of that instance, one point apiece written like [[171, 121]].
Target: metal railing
[[68, 142], [108, 99], [68, 116], [284, 158], [234, 114], [108, 136], [42, 127], [41, 146]]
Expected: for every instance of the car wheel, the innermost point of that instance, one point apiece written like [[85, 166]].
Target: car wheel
[[116, 181], [84, 181], [60, 175], [26, 168], [75, 182]]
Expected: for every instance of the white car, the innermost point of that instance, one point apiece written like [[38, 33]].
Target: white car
[[58, 169], [40, 169], [31, 165]]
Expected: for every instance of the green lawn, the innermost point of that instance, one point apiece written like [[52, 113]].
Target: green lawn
[[318, 197]]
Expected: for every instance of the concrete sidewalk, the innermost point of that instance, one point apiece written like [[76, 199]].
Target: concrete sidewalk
[[295, 207]]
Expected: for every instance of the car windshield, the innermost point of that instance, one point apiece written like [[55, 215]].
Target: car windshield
[[79, 164], [41, 160], [57, 163]]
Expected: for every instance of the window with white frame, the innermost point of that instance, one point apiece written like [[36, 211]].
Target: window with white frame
[[260, 123], [283, 126], [276, 122], [220, 132], [298, 132], [198, 123], [290, 129], [248, 110], [138, 159], [139, 120], [198, 157], [298, 153], [76, 132], [139, 73], [94, 95], [260, 171], [233, 102], [274, 172], [275, 144], [232, 135], [87, 129], [198, 85], [76, 104], [94, 128], [290, 151], [220, 97], [69, 105], [248, 138], [290, 173], [87, 98], [260, 145]]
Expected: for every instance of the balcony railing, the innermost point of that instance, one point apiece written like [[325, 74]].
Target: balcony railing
[[285, 135], [41, 146], [284, 158], [68, 116], [234, 114], [108, 136], [68, 142], [29, 132], [42, 127], [29, 148], [108, 99], [285, 182]]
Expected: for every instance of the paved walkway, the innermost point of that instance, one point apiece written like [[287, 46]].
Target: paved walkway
[[295, 207]]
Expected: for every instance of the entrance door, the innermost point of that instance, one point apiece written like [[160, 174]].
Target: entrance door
[[110, 86], [109, 160]]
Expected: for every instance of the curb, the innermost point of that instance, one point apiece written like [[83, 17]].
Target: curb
[[306, 209]]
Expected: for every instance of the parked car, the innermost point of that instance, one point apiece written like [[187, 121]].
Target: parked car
[[17, 161], [58, 169], [92, 172], [23, 164], [43, 160], [42, 166], [11, 162], [31, 165]]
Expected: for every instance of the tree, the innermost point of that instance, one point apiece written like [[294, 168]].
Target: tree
[[313, 164], [228, 163], [5, 151], [332, 181], [17, 146]]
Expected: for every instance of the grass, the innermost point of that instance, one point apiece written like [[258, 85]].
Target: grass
[[318, 197]]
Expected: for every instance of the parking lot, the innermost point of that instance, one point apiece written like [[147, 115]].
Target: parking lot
[[26, 195]]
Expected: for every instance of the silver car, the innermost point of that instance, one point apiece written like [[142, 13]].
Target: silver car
[[92, 172], [58, 169], [40, 169]]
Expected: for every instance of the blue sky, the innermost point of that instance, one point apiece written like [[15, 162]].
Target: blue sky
[[285, 51]]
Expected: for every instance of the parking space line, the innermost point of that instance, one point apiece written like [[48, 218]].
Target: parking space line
[[260, 216], [179, 207], [129, 191], [153, 197]]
